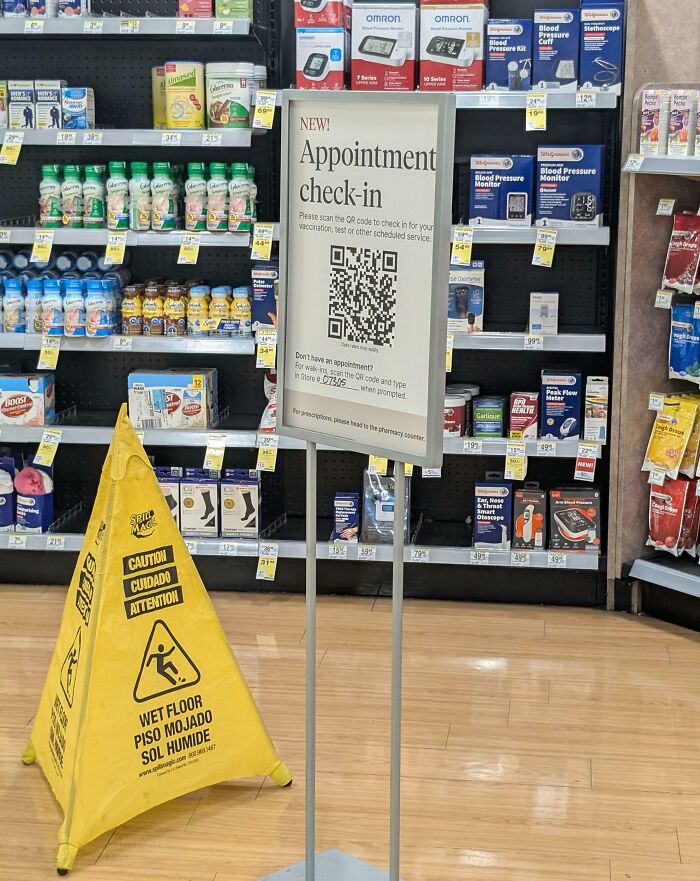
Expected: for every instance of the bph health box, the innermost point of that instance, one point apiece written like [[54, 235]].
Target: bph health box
[[452, 48], [493, 513], [509, 54], [570, 186], [602, 42], [524, 409], [560, 404], [556, 49], [383, 56], [500, 190], [465, 298], [322, 58]]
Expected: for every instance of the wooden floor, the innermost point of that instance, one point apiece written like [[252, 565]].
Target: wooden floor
[[540, 745]]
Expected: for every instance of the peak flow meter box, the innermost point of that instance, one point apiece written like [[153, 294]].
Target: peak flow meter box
[[384, 47], [452, 48]]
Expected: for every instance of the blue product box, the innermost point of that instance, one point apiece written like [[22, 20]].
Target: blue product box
[[199, 503], [602, 44], [570, 186], [500, 190], [240, 503], [493, 515], [509, 54], [35, 513], [346, 517], [78, 104], [265, 278], [465, 298], [169, 477], [7, 494], [555, 49], [27, 399], [488, 416], [560, 404]]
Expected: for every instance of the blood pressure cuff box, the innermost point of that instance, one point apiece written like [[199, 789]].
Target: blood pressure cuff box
[[602, 45], [560, 404], [384, 47], [465, 298], [555, 49], [452, 42], [493, 512], [509, 54], [500, 190], [570, 186], [322, 13], [322, 58], [529, 520], [574, 519]]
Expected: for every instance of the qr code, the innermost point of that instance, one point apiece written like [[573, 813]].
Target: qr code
[[362, 295]]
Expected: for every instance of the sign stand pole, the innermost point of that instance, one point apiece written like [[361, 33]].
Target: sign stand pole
[[310, 854], [396, 669]]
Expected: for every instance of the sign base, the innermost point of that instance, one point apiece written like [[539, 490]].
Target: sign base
[[332, 865]]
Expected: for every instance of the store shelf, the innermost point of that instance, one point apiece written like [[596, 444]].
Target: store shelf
[[526, 235], [136, 137], [561, 342], [149, 26], [556, 100], [12, 341], [684, 167], [163, 345], [563, 449], [24, 235], [681, 574]]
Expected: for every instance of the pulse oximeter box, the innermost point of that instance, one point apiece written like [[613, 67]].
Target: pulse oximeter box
[[560, 404], [493, 515], [322, 57], [465, 298], [570, 186], [509, 54], [555, 49], [322, 13], [500, 190], [602, 43], [383, 56], [452, 42]]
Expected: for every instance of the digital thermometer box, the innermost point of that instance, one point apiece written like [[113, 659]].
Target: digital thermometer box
[[555, 49], [322, 13], [529, 519], [384, 47], [602, 44], [321, 58], [500, 190], [452, 48], [570, 186], [509, 54]]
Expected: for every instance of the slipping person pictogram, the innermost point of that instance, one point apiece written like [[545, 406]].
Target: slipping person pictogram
[[165, 667]]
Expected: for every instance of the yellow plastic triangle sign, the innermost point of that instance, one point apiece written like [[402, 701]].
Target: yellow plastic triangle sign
[[143, 701]]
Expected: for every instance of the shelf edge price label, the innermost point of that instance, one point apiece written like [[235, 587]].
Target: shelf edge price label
[[222, 27], [43, 243], [185, 26], [408, 469], [122, 343], [216, 448], [129, 26], [449, 349], [55, 542], [16, 541], [520, 559], [46, 452], [489, 99], [420, 555], [65, 137], [533, 341], [586, 459], [93, 25], [377, 465], [634, 162], [696, 307], [267, 561], [462, 242], [473, 447], [657, 401], [116, 248], [92, 138], [139, 432], [431, 472], [536, 112], [5, 236], [657, 478], [262, 241], [227, 549], [265, 103], [556, 561], [585, 99], [367, 553], [546, 242], [265, 355], [34, 26], [516, 460], [478, 558], [338, 550], [48, 356], [171, 139], [11, 148], [663, 299], [267, 444], [189, 249], [212, 139], [665, 207], [546, 448]]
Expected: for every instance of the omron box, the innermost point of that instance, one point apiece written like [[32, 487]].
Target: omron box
[[493, 513], [322, 58], [600, 62], [555, 49], [529, 519], [384, 47], [509, 54], [500, 190], [173, 398], [465, 298], [523, 414], [322, 13], [27, 399], [570, 186], [199, 503], [452, 48], [560, 404], [574, 519], [240, 503]]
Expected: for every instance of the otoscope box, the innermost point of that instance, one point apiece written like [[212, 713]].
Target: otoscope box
[[493, 515]]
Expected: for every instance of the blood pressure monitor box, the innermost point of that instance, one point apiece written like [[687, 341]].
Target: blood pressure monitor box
[[509, 54], [574, 519], [384, 47], [322, 13], [570, 186], [602, 42], [560, 404], [322, 58], [452, 48], [500, 190], [555, 49]]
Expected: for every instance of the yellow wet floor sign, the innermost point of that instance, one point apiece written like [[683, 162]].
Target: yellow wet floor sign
[[144, 700]]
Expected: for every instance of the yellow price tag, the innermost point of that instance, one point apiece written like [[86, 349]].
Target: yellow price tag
[[198, 382], [216, 448], [43, 243], [46, 452], [116, 248], [267, 562], [264, 115], [516, 460], [189, 249], [48, 356], [377, 465], [536, 112], [267, 459], [129, 26], [11, 147], [5, 236], [462, 246], [448, 352], [408, 468], [544, 248], [262, 241], [266, 355]]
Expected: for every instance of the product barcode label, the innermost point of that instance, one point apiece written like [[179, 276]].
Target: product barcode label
[[48, 447], [265, 103], [189, 249], [368, 553], [536, 112], [216, 449], [267, 561], [11, 148], [657, 478], [462, 242], [519, 558], [545, 243], [48, 356], [377, 465], [5, 236], [122, 343], [556, 561], [478, 558], [448, 352], [43, 243], [420, 555], [337, 551]]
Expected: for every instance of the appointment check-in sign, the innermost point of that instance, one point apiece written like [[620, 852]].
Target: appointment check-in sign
[[367, 195]]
